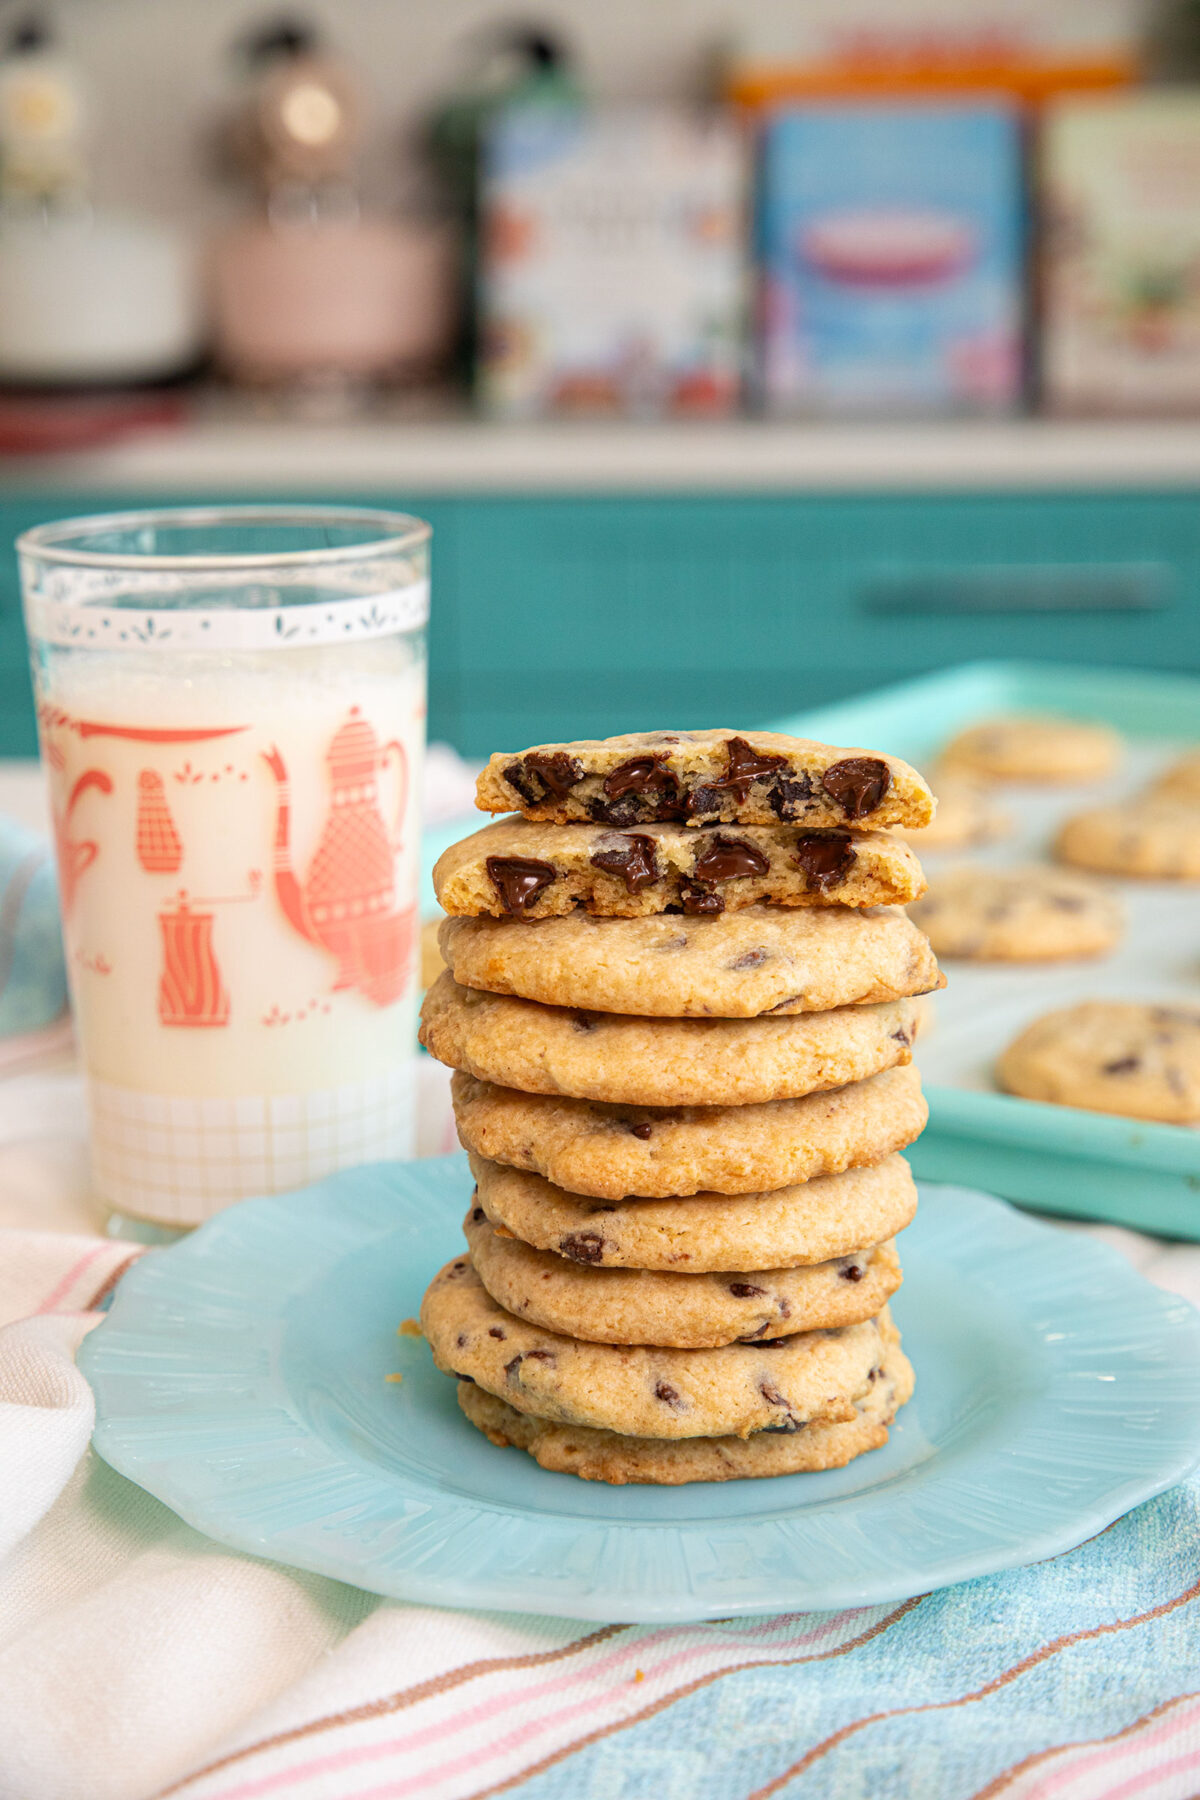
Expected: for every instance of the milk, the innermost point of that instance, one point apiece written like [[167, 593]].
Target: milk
[[238, 844]]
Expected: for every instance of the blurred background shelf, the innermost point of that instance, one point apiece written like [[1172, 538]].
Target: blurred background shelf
[[461, 455]]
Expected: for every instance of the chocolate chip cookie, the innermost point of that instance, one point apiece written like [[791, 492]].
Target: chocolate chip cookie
[[737, 965], [1181, 781], [611, 1151], [1030, 914], [681, 1312], [781, 1385], [515, 869], [659, 1062], [719, 777], [1033, 747], [967, 814], [811, 1222], [1154, 838], [670, 1462], [1111, 1056]]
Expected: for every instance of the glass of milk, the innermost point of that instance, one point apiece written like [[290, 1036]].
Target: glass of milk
[[231, 706]]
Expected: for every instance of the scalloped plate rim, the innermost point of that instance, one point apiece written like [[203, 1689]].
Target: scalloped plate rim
[[153, 1277]]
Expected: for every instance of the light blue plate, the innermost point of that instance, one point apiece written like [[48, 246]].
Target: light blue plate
[[240, 1378]]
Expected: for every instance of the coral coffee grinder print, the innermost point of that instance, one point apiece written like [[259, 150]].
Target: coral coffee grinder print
[[347, 901], [191, 992]]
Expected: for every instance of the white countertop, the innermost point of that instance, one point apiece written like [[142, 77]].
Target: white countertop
[[234, 453]]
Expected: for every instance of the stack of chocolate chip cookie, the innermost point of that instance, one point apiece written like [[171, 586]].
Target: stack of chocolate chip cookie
[[679, 1004]]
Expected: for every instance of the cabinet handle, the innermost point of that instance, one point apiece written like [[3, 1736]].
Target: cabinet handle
[[1020, 587]]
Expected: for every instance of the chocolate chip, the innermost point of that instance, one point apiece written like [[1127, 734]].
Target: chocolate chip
[[773, 1344], [459, 1267], [642, 1131], [729, 859], [512, 1370], [581, 1022], [631, 857], [746, 765], [789, 800], [875, 1373], [825, 858], [477, 1215], [516, 778], [645, 775], [852, 1271], [757, 1336], [496, 1331], [582, 1246], [858, 784], [749, 959], [678, 942], [704, 802], [461, 1340], [459, 1376], [772, 1395], [1124, 1065], [901, 1037], [699, 899], [518, 880], [782, 1005], [669, 1395], [745, 1290], [557, 771], [792, 1426]]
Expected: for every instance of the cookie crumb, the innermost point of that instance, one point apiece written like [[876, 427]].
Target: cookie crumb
[[409, 1328], [393, 1377]]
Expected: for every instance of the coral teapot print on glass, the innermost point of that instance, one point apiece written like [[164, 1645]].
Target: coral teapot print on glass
[[231, 707]]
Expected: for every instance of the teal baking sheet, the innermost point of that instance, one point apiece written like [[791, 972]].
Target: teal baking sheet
[[1051, 1158]]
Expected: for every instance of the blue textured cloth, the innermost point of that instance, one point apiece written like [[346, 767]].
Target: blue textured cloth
[[962, 1694], [33, 976]]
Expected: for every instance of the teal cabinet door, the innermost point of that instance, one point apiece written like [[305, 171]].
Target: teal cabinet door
[[580, 617]]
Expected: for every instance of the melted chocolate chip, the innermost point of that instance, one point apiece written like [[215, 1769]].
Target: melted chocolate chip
[[582, 1246], [517, 779], [704, 801], [901, 1037], [477, 1215], [581, 1022], [699, 899], [632, 857], [789, 799], [772, 1395], [1124, 1065], [459, 1376], [729, 859], [670, 1396], [749, 959], [825, 858], [461, 1340], [745, 1290], [518, 880], [642, 1131], [746, 765], [643, 775], [858, 784], [556, 771], [772, 1344], [496, 1331]]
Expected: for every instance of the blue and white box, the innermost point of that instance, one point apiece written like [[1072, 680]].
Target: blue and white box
[[892, 243]]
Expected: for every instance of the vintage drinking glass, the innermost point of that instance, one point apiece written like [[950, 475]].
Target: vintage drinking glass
[[231, 705]]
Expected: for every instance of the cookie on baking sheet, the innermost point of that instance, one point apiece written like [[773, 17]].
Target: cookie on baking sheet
[[683, 1312], [759, 959], [659, 1062], [1181, 781], [611, 1151], [704, 777], [1113, 1056], [1033, 914], [521, 870], [1154, 838], [670, 1462], [781, 1384], [810, 1222], [1034, 747], [968, 814]]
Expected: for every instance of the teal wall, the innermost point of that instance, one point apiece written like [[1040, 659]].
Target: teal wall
[[578, 616]]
